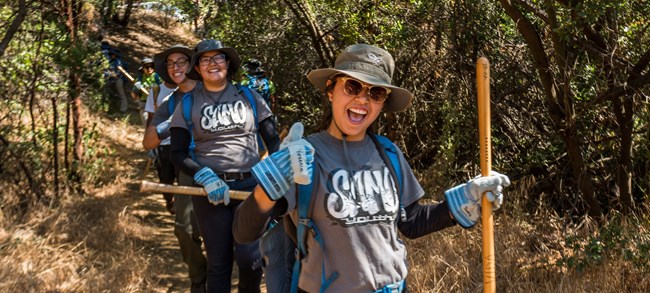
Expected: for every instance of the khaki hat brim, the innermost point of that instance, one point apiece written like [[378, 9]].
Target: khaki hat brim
[[398, 100]]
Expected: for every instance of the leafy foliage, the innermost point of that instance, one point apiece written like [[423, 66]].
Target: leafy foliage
[[611, 241]]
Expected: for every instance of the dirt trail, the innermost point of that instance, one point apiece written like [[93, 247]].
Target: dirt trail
[[153, 220]]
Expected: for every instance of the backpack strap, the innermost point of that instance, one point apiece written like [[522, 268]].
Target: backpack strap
[[388, 152], [187, 116], [305, 224], [171, 103]]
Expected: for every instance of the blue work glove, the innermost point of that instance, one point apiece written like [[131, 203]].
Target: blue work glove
[[464, 200], [217, 190], [301, 171], [162, 129], [292, 163]]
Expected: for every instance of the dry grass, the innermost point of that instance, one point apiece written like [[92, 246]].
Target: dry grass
[[527, 252], [118, 240]]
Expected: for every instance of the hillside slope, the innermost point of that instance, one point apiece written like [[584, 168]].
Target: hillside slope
[[147, 34]]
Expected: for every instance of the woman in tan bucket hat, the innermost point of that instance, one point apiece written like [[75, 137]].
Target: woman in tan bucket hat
[[362, 189]]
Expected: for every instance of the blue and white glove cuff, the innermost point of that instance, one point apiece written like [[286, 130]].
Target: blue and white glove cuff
[[271, 176], [464, 212], [203, 175]]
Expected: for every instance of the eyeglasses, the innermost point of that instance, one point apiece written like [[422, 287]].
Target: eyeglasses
[[148, 67], [217, 59], [353, 87], [180, 63]]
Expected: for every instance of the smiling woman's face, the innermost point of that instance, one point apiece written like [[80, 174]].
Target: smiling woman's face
[[351, 114], [213, 68], [177, 65]]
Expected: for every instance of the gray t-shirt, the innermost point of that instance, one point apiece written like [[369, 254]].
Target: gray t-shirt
[[162, 113], [356, 208], [224, 128]]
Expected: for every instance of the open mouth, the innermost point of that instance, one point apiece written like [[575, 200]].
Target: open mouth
[[356, 115]]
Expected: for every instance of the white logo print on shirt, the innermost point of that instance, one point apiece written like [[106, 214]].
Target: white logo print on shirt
[[366, 197], [225, 116]]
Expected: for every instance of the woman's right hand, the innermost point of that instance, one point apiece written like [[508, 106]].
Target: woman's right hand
[[301, 170], [293, 163], [217, 190]]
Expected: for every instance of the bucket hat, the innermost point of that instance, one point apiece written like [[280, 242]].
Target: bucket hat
[[160, 60], [213, 45], [145, 61], [254, 66], [368, 64]]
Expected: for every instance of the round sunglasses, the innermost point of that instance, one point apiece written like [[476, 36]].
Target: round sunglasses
[[354, 87]]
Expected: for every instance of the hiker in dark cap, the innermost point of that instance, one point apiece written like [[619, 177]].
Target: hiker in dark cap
[[357, 189], [172, 65], [147, 79], [255, 78], [213, 139]]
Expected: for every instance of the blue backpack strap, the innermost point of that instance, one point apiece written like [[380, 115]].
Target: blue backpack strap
[[170, 103], [187, 116], [388, 152], [305, 224]]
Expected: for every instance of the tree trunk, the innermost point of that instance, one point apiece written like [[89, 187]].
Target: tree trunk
[[55, 146], [106, 11], [623, 112], [581, 173], [15, 25], [66, 139], [127, 13], [558, 99], [74, 93], [318, 39]]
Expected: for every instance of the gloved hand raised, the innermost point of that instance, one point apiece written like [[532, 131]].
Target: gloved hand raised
[[464, 200], [217, 190], [162, 129], [301, 171], [292, 163]]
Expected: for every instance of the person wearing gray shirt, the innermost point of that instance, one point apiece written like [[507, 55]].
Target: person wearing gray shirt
[[171, 65], [217, 146], [356, 205]]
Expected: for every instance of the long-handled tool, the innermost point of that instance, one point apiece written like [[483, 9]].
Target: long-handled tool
[[142, 89], [146, 92], [483, 90], [151, 187]]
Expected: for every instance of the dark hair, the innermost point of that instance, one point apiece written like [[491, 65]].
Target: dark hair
[[326, 118]]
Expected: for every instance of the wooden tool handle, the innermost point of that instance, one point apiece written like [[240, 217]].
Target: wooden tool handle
[[151, 187], [142, 89], [483, 90]]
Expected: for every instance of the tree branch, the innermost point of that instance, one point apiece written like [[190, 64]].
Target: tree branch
[[15, 25]]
